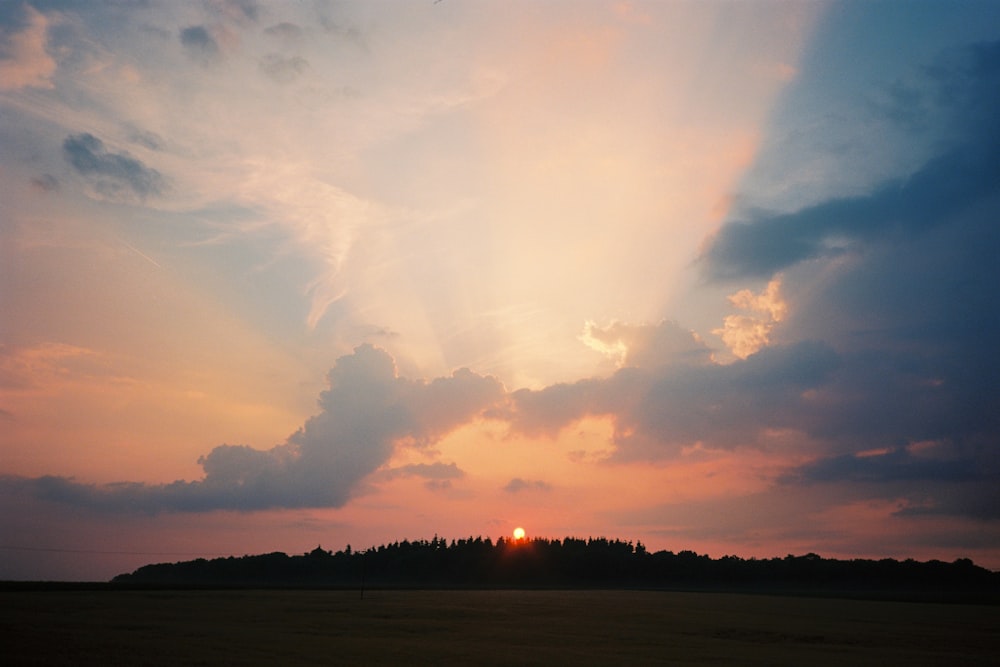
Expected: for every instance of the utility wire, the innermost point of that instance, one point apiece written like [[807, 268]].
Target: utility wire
[[8, 547]]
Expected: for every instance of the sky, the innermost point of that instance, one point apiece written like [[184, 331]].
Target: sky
[[706, 275]]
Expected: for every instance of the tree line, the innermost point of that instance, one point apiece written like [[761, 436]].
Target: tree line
[[570, 562]]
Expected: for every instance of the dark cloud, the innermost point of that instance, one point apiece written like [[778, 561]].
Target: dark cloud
[[966, 89], [902, 283], [978, 500], [888, 466], [905, 105], [200, 44], [366, 413], [924, 479], [942, 188], [283, 69], [115, 174], [965, 84], [660, 410]]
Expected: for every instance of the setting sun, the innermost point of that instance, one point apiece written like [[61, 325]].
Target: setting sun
[[519, 533]]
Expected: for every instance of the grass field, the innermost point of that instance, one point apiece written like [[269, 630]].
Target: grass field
[[505, 627]]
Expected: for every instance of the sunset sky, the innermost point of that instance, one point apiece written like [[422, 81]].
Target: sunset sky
[[718, 276]]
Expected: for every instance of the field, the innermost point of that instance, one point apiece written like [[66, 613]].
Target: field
[[497, 627]]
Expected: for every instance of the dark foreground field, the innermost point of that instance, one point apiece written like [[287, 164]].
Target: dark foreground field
[[314, 627]]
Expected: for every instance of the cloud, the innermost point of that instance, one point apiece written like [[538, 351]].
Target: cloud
[[517, 485], [869, 329], [368, 412], [883, 466], [902, 284], [748, 333], [430, 471], [437, 476], [24, 59], [289, 33], [146, 139], [117, 175], [945, 185], [283, 69], [238, 11], [923, 479], [45, 183], [365, 414], [22, 367], [658, 411], [646, 346], [200, 44]]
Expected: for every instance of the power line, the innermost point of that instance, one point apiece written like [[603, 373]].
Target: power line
[[8, 547]]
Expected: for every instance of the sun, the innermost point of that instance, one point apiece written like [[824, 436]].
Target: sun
[[519, 533]]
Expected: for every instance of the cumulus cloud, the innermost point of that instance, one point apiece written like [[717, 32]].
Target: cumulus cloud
[[365, 414], [24, 59], [115, 175]]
